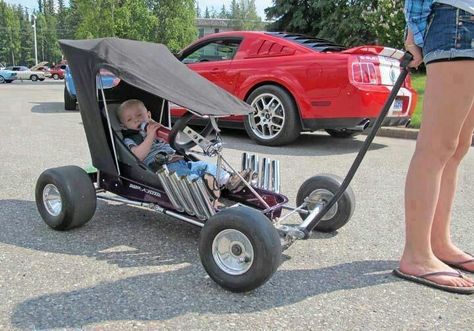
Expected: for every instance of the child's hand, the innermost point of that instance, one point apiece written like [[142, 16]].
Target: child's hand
[[151, 129]]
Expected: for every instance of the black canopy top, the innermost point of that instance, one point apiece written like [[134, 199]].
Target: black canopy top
[[151, 67], [147, 67]]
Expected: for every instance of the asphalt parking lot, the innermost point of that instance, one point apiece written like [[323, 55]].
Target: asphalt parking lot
[[133, 269]]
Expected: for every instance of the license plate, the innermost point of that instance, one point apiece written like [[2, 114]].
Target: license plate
[[398, 105]]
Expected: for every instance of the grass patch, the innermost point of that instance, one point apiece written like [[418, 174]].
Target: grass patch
[[418, 82]]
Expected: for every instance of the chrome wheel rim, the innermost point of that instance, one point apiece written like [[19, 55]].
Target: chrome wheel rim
[[233, 252], [52, 200], [268, 119], [320, 197]]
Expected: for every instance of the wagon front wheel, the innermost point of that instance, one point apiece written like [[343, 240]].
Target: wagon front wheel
[[239, 248], [65, 197], [319, 190]]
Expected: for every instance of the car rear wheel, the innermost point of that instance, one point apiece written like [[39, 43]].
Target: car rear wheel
[[65, 197], [55, 76], [34, 78], [69, 101], [2, 80], [275, 120]]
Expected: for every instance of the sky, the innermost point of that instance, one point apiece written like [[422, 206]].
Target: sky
[[217, 4]]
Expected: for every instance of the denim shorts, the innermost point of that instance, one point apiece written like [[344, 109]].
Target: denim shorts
[[449, 35]]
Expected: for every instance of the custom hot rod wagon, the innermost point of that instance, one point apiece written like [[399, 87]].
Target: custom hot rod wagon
[[299, 83], [241, 240]]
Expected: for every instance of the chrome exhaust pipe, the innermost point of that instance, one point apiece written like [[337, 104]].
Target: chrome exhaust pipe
[[210, 210], [201, 211], [172, 194], [276, 179], [361, 126], [265, 174], [175, 182], [245, 160], [254, 163], [190, 205]]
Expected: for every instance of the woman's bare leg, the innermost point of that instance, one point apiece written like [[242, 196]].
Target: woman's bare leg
[[441, 242], [448, 100]]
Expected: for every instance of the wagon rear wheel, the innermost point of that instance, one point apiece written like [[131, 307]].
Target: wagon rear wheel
[[69, 101], [318, 190], [239, 248], [65, 197]]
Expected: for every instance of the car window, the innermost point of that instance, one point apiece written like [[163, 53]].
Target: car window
[[214, 51]]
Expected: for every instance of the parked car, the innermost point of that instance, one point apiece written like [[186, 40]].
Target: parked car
[[23, 73], [58, 71], [70, 96], [7, 76], [55, 72], [298, 83]]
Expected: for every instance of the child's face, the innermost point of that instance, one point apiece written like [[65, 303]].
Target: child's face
[[133, 116]]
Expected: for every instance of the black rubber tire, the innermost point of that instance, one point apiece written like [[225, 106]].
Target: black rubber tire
[[69, 101], [345, 205], [41, 79], [77, 193], [2, 80], [33, 78], [342, 133], [55, 76], [263, 237], [179, 126], [292, 127]]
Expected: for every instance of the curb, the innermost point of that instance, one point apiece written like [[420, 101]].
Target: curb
[[400, 132]]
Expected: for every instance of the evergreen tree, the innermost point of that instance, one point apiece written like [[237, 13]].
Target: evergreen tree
[[223, 13], [198, 10], [175, 23]]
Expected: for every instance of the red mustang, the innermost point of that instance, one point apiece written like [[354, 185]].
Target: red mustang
[[298, 83]]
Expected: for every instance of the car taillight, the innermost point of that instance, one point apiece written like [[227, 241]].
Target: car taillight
[[365, 73], [408, 82]]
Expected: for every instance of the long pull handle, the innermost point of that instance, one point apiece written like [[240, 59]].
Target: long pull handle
[[309, 224]]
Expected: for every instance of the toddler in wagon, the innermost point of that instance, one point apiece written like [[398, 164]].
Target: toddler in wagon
[[147, 148]]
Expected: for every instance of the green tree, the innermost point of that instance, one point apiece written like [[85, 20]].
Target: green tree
[[133, 20], [175, 24], [223, 13], [349, 23], [26, 38], [244, 15]]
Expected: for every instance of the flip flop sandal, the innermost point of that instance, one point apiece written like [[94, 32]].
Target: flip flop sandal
[[421, 279], [460, 265]]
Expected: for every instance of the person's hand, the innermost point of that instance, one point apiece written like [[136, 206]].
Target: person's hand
[[151, 129], [417, 55]]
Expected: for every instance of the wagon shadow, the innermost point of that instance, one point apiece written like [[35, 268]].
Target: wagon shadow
[[49, 107], [162, 296], [308, 144], [129, 237], [117, 234]]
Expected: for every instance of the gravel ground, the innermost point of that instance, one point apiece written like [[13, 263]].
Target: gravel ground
[[134, 269]]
